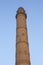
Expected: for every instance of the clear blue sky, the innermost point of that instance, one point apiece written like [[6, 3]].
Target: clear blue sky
[[34, 10]]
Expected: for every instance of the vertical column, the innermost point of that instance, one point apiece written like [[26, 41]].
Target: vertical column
[[22, 49]]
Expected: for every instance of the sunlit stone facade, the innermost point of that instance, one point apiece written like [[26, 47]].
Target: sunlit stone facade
[[22, 46]]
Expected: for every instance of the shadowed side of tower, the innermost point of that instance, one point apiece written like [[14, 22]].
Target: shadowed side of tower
[[22, 49]]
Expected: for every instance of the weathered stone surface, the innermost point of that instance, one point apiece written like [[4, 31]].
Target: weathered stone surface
[[22, 49]]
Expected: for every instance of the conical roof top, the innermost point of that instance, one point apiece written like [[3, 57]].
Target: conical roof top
[[21, 10]]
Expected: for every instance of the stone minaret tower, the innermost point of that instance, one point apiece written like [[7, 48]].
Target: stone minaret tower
[[22, 49]]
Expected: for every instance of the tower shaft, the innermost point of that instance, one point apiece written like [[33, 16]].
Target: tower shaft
[[22, 49]]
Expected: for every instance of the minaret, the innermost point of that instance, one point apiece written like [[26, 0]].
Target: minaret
[[22, 46]]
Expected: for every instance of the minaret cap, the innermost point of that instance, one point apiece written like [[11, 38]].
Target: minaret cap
[[21, 11]]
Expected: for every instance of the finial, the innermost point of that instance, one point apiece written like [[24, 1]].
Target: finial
[[21, 11]]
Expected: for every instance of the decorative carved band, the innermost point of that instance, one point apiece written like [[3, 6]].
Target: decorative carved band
[[21, 27], [21, 13], [21, 42], [27, 62]]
